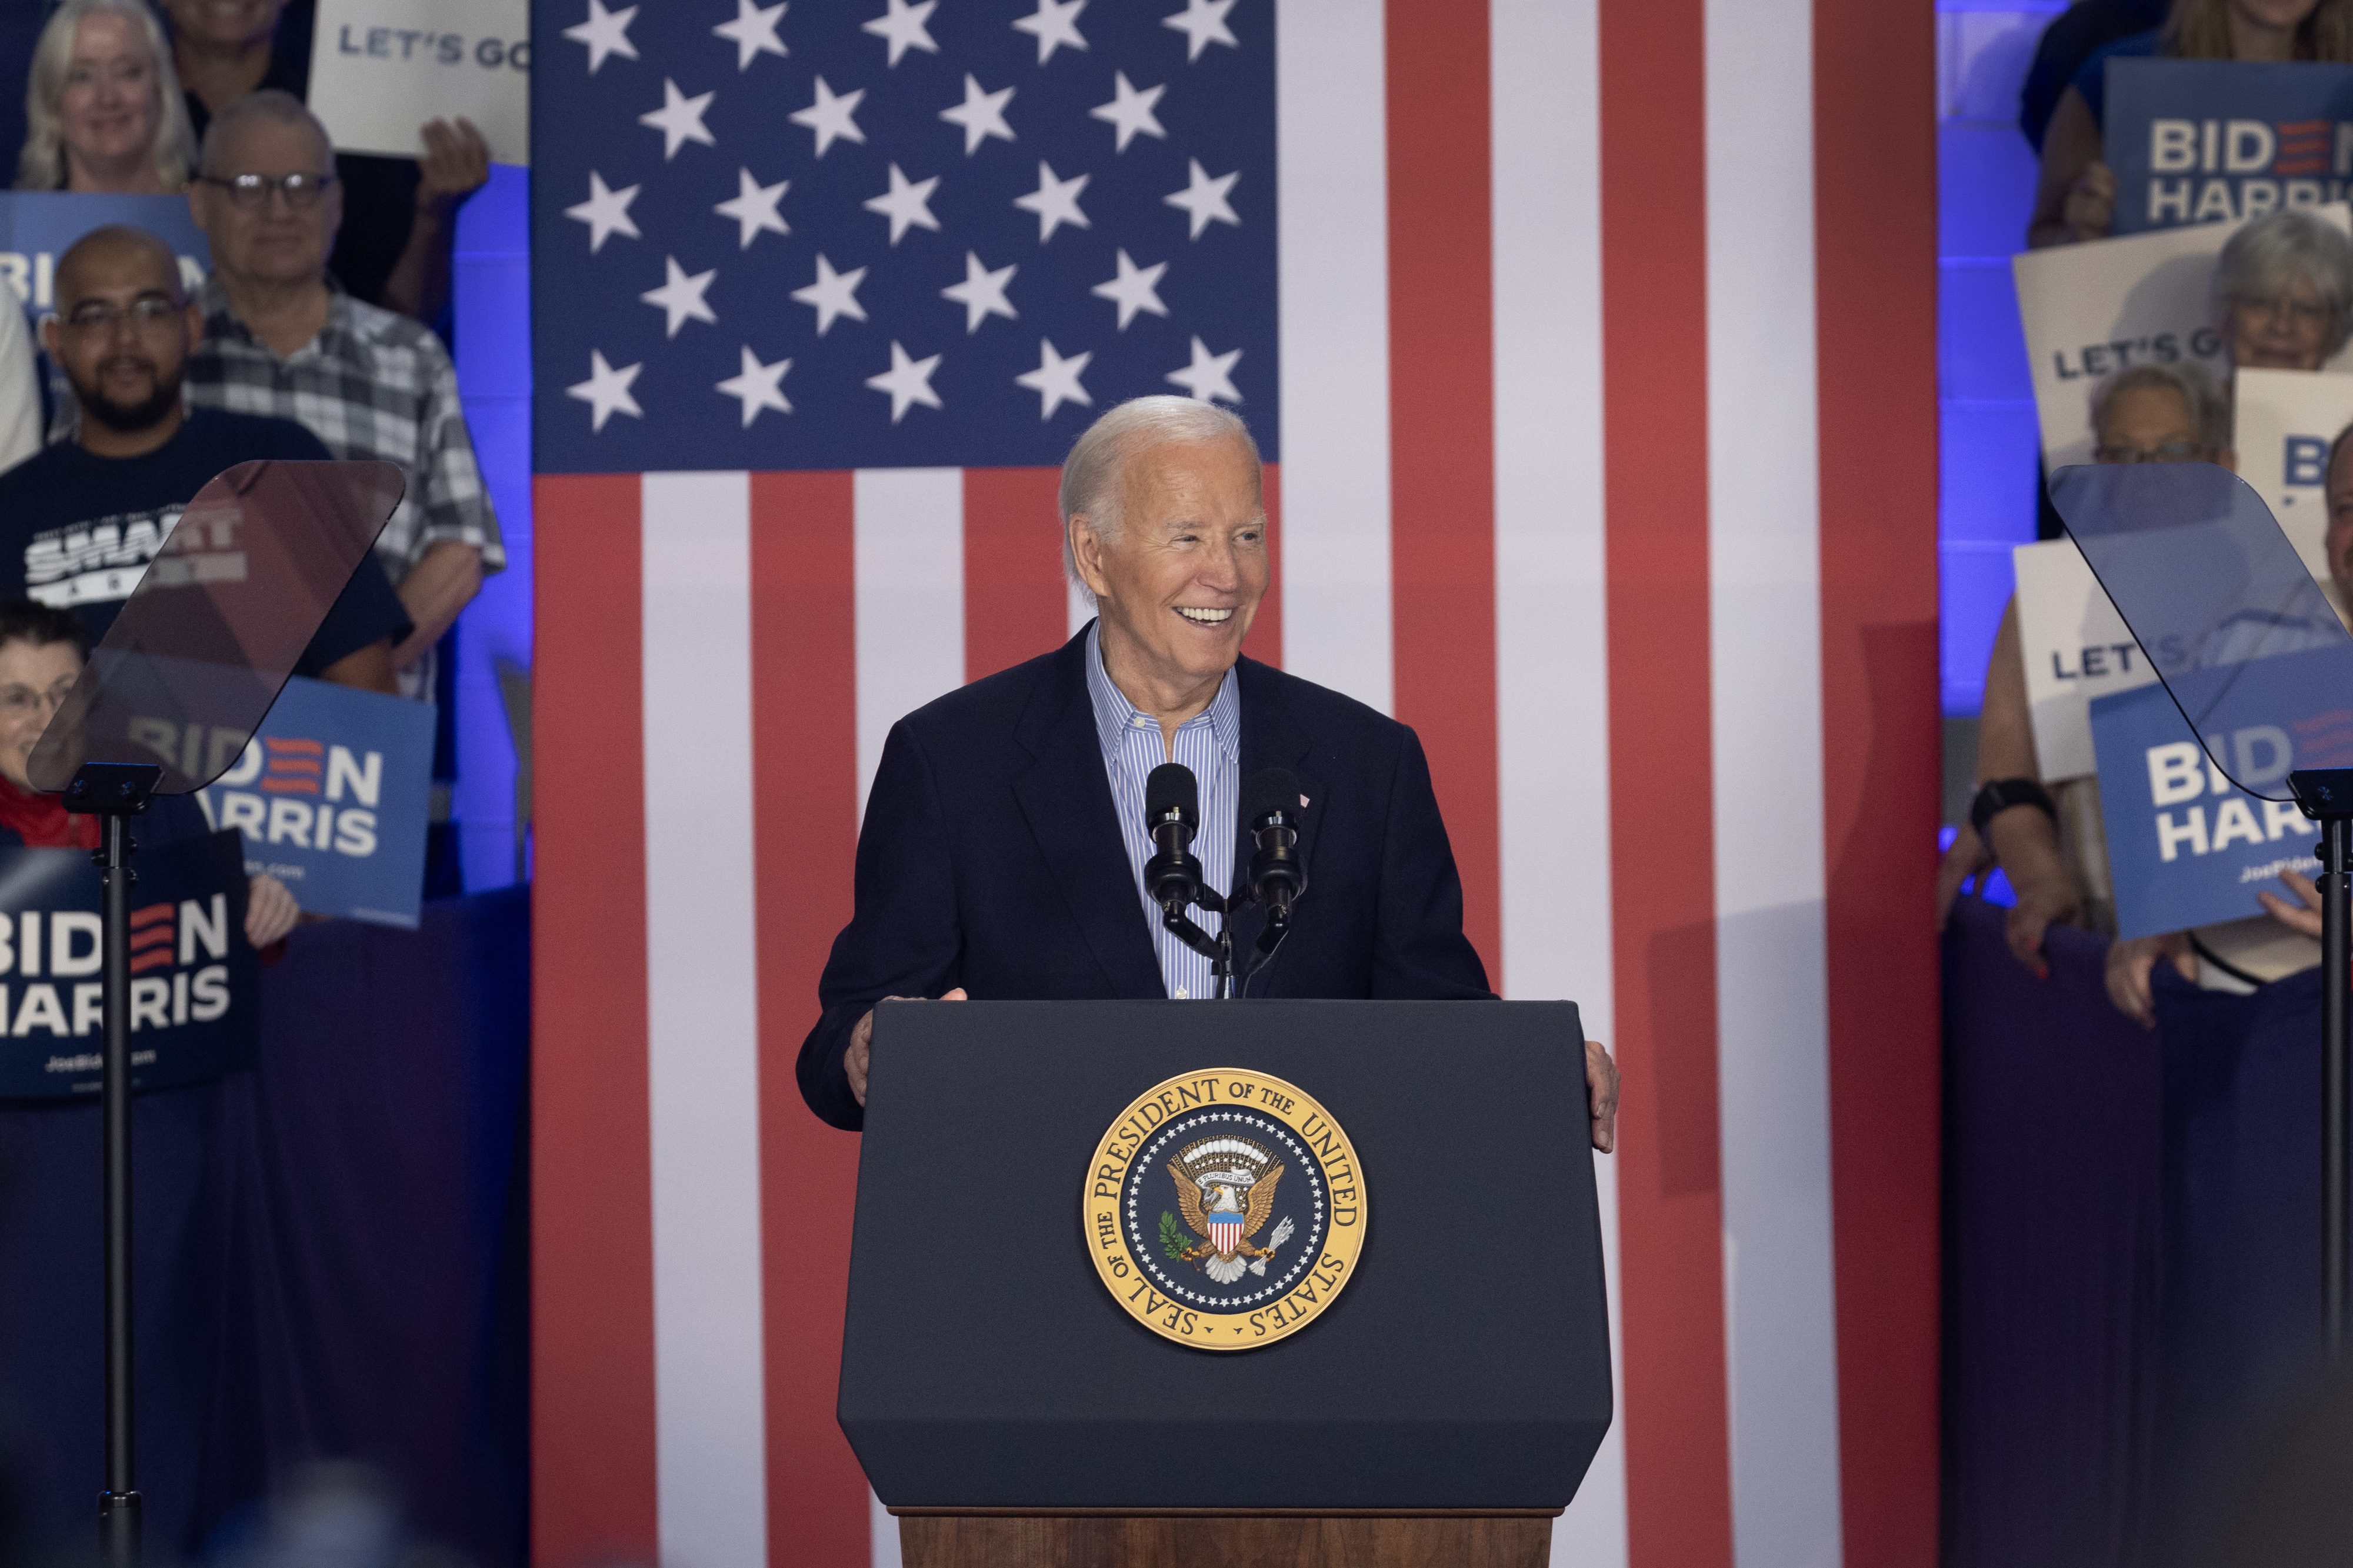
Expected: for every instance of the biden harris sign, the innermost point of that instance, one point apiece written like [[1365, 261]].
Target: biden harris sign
[[2197, 141], [195, 1010], [331, 796], [2186, 847]]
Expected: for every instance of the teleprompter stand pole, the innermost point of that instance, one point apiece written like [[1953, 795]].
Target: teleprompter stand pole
[[115, 793], [2327, 796]]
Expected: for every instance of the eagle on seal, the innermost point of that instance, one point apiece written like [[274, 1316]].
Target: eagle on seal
[[1225, 1189]]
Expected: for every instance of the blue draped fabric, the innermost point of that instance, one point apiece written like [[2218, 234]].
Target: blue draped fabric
[[331, 1251]]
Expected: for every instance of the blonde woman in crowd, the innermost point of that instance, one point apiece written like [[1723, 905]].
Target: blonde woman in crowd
[[103, 111], [2076, 197]]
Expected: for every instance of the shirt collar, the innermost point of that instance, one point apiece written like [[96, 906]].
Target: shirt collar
[[1115, 715], [221, 320]]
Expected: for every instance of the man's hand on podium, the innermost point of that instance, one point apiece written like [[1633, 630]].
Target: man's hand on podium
[[1601, 1088], [861, 1048]]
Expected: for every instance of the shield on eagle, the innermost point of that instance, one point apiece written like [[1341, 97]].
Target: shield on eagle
[[1225, 1189]]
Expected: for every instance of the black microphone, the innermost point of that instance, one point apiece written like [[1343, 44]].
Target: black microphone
[[1172, 811], [1277, 875]]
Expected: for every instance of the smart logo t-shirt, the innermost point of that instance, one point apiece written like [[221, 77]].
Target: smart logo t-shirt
[[77, 531]]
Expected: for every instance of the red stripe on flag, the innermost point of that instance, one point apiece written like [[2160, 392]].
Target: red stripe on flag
[[1873, 119], [1661, 844], [805, 837], [1016, 606], [593, 1492], [1264, 641], [1442, 429]]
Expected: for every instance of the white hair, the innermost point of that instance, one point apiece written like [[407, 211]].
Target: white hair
[[273, 104], [1090, 474], [2283, 249], [2208, 408], [41, 165]]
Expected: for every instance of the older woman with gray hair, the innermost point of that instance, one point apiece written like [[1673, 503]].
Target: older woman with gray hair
[[103, 109], [2283, 292]]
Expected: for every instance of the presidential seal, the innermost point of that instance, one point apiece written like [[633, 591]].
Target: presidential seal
[[1224, 1210]]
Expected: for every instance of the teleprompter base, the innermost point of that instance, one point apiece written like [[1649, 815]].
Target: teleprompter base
[[1203, 1538]]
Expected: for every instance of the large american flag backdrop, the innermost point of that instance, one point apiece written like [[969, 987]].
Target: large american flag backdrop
[[1590, 345]]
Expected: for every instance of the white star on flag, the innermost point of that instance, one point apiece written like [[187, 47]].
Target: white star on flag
[[1053, 24], [754, 208], [606, 212], [1203, 23], [982, 293], [829, 117], [606, 391], [1056, 202], [1056, 380], [605, 33], [753, 34], [1135, 289], [679, 119], [1209, 375], [1204, 198], [907, 381], [755, 386], [680, 297], [1131, 110], [982, 114], [906, 205], [833, 294], [902, 25]]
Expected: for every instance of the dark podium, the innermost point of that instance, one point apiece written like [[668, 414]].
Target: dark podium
[[1441, 1407]]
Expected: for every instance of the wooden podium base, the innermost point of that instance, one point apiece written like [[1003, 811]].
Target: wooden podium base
[[1202, 1538]]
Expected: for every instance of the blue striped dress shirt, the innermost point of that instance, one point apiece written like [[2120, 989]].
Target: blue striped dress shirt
[[1210, 744]]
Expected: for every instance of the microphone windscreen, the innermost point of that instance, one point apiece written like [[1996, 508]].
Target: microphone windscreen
[[1172, 786], [1269, 790]]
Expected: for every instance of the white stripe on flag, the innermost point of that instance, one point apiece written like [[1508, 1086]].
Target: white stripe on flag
[[1551, 615], [1334, 297], [1765, 631], [910, 599], [702, 1023]]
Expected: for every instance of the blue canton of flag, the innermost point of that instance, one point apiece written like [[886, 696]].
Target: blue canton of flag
[[889, 235]]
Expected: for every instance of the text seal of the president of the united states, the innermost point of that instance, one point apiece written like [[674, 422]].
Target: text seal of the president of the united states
[[1225, 1209]]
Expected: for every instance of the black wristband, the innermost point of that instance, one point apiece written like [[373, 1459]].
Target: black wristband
[[1999, 796]]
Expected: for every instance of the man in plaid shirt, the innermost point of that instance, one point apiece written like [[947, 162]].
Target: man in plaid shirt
[[282, 338]]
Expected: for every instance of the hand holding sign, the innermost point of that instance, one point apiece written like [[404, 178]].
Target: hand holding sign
[[382, 67], [456, 164]]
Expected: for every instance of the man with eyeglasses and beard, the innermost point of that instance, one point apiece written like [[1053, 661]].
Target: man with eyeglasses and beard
[[80, 521]]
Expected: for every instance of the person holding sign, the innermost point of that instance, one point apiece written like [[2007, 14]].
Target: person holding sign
[[402, 214], [104, 112], [41, 654], [2075, 199]]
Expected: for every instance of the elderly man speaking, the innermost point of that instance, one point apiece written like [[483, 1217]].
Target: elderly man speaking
[[1004, 845]]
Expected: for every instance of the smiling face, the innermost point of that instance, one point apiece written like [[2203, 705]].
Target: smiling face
[[222, 23], [1179, 583], [107, 111], [33, 678], [272, 240], [2287, 329]]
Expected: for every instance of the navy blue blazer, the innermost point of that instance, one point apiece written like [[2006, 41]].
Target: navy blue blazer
[[990, 858]]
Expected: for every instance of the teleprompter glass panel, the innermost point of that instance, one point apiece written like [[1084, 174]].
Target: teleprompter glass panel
[[207, 639], [2223, 606]]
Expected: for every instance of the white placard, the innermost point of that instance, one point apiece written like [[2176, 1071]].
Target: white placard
[[2076, 647], [2286, 419], [380, 68], [2095, 308]]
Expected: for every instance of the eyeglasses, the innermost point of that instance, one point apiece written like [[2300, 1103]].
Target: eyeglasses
[[2170, 452], [147, 313], [301, 191], [21, 702], [2305, 315]]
